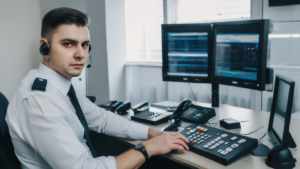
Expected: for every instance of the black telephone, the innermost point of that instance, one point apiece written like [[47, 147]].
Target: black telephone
[[187, 111], [184, 104]]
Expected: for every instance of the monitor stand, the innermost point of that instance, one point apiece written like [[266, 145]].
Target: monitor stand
[[215, 94], [280, 157], [261, 150]]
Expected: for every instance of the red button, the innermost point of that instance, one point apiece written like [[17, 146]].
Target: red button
[[199, 131], [191, 143]]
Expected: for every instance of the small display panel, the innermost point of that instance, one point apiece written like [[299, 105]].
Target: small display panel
[[280, 109], [237, 55], [188, 54]]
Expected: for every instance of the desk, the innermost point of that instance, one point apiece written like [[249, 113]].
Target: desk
[[255, 120]]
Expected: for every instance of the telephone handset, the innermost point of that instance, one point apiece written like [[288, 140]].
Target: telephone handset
[[184, 104], [189, 112]]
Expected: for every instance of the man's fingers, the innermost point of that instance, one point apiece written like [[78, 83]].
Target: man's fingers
[[179, 147], [180, 136], [182, 143]]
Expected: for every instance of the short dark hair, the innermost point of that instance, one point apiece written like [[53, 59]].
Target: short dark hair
[[63, 15]]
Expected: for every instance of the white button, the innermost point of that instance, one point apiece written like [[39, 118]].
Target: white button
[[226, 143], [224, 152], [233, 138], [41, 80], [205, 129], [234, 145], [209, 144], [212, 142], [228, 149], [188, 133], [205, 146], [219, 150], [224, 135], [217, 144], [221, 142]]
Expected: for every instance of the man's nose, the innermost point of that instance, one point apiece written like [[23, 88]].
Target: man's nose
[[80, 52]]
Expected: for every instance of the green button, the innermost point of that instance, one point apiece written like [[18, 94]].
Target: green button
[[198, 115]]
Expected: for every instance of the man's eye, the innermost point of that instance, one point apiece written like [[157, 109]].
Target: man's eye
[[68, 44], [85, 45]]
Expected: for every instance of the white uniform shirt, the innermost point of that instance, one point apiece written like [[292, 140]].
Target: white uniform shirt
[[46, 132]]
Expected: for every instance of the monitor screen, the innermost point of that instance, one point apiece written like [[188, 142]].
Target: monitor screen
[[240, 53], [188, 54], [280, 109], [279, 122], [237, 55]]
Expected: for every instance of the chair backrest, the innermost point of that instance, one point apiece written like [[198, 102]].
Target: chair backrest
[[8, 157]]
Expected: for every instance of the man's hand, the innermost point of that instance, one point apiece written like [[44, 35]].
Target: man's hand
[[166, 142]]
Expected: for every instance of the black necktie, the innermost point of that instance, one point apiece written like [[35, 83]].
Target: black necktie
[[82, 119]]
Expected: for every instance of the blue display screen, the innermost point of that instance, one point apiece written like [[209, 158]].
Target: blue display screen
[[237, 55], [188, 54]]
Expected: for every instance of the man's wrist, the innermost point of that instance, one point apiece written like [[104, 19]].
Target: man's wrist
[[153, 133], [140, 147], [148, 149]]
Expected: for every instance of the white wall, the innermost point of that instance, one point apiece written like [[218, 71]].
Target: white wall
[[285, 50], [98, 73], [20, 33], [116, 53]]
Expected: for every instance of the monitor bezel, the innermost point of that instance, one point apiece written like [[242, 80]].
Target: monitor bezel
[[167, 28], [271, 132], [260, 83]]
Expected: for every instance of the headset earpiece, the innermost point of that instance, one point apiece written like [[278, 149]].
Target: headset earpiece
[[44, 49], [90, 48]]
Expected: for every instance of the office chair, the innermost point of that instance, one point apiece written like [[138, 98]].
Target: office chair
[[8, 159]]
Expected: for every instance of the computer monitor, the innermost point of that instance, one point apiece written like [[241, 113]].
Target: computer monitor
[[240, 53], [281, 109], [187, 52]]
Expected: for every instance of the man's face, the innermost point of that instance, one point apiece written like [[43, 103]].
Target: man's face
[[69, 50]]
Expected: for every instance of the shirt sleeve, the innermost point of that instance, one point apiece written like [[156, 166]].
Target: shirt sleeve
[[106, 122], [49, 133]]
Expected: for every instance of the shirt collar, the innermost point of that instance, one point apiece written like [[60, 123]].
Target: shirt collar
[[60, 82]]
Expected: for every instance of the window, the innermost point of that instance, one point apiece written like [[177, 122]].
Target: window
[[143, 19], [193, 11]]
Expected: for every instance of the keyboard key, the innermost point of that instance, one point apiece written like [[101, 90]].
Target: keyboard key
[[191, 143], [229, 149], [223, 152], [233, 138]]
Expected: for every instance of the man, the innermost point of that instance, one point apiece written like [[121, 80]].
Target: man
[[49, 121]]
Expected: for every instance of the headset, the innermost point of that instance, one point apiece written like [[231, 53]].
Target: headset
[[44, 50]]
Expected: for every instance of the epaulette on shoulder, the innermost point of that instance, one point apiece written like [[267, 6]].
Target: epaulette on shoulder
[[39, 84]]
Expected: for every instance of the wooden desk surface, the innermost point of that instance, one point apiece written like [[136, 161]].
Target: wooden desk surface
[[255, 119]]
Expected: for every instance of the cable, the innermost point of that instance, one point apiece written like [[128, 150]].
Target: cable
[[251, 132], [261, 138], [192, 92], [218, 95]]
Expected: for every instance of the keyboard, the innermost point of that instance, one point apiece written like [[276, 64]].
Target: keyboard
[[218, 145], [151, 117], [198, 114]]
